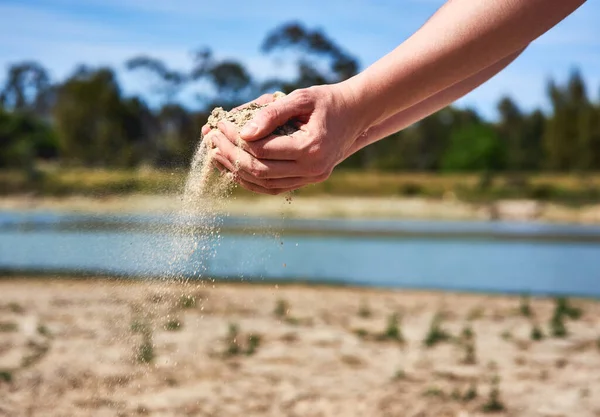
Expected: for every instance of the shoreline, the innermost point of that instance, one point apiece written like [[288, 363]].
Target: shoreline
[[322, 207]]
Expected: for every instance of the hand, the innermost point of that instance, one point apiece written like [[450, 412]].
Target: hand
[[328, 120]]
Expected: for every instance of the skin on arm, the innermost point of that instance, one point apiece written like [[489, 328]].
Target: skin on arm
[[426, 72], [459, 40], [427, 107]]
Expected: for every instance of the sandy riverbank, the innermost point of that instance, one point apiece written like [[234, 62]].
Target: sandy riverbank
[[77, 348], [321, 207]]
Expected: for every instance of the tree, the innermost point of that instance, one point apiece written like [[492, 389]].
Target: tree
[[320, 60], [511, 128], [95, 125], [27, 89], [474, 147], [170, 82], [24, 138]]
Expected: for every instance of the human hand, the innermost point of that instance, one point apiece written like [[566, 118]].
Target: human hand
[[329, 120]]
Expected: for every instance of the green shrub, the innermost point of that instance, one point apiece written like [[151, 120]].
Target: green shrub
[[436, 333], [281, 309], [494, 404], [536, 333], [187, 301], [6, 376], [173, 325]]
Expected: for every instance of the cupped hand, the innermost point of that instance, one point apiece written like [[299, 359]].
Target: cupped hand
[[328, 121]]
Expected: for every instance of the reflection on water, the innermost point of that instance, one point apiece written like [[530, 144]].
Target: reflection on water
[[506, 257]]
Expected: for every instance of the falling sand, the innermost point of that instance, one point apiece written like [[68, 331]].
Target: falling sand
[[206, 191]]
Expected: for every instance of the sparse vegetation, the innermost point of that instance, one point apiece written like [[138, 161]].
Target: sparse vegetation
[[361, 333], [536, 332], [15, 308], [364, 311], [139, 326], [187, 301], [494, 403], [557, 325], [467, 333], [470, 357], [6, 376], [525, 307], [281, 309], [253, 344], [43, 330], [471, 393], [564, 308], [6, 327], [476, 313], [145, 352], [399, 375], [393, 331], [506, 335], [234, 346], [37, 352], [436, 333], [173, 325], [434, 392]]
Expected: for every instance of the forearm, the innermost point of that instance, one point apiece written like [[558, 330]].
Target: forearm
[[461, 39], [430, 105]]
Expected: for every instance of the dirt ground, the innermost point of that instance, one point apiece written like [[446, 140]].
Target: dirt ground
[[100, 347]]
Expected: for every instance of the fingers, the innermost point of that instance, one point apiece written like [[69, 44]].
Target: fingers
[[235, 159], [205, 129], [283, 148], [262, 190], [276, 114], [264, 99]]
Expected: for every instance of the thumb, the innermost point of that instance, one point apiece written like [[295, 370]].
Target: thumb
[[270, 118]]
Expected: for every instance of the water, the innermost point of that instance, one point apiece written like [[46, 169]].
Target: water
[[494, 257]]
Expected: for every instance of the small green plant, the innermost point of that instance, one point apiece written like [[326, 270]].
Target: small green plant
[[364, 311], [494, 404], [506, 335], [470, 357], [6, 376], [476, 313], [399, 375], [6, 327], [434, 392], [15, 308], [436, 333], [145, 352], [233, 346], [525, 307], [253, 344], [455, 395], [187, 301], [139, 326], [37, 352], [471, 393], [173, 325], [536, 333], [361, 333], [467, 333], [393, 331], [43, 330], [557, 325], [563, 307], [281, 309]]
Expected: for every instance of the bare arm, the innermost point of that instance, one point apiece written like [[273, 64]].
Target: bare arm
[[462, 38], [430, 105]]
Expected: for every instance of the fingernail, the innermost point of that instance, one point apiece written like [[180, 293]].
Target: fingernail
[[249, 129]]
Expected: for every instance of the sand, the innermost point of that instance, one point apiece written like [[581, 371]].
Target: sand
[[72, 347]]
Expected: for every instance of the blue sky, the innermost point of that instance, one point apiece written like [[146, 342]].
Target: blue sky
[[63, 33]]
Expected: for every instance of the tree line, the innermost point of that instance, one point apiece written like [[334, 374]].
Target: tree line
[[87, 120]]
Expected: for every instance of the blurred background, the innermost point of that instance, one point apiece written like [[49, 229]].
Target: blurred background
[[101, 105]]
